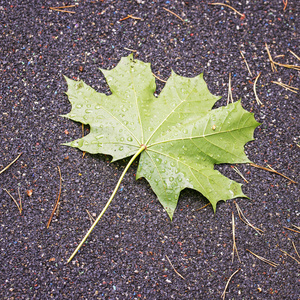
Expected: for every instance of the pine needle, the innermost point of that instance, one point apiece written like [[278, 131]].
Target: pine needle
[[173, 14], [131, 17], [224, 293], [296, 227], [19, 208], [290, 256], [90, 216], [272, 171], [285, 2], [229, 91], [295, 249], [233, 237], [128, 49], [287, 87], [246, 63], [264, 259], [291, 229], [20, 201], [63, 10], [11, 163], [56, 204], [245, 220], [174, 268], [203, 207], [287, 66], [273, 63], [294, 54], [273, 67], [159, 78], [223, 4], [254, 90], [238, 172]]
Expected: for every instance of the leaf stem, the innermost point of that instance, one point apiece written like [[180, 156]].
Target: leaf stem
[[141, 149]]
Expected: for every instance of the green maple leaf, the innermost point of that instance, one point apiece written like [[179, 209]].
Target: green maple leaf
[[178, 135]]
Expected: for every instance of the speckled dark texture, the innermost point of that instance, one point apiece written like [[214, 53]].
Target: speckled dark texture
[[125, 257]]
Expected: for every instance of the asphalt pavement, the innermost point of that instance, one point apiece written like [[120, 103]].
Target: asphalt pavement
[[136, 252]]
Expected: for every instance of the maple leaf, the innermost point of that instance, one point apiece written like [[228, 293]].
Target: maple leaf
[[178, 135]]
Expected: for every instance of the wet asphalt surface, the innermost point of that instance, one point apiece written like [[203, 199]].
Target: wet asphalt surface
[[126, 255]]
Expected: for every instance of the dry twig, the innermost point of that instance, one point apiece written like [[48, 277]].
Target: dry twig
[[224, 293], [245, 220], [234, 248], [174, 268], [56, 204], [173, 13], [264, 259], [272, 171], [19, 207], [254, 90], [246, 63], [11, 163], [287, 87]]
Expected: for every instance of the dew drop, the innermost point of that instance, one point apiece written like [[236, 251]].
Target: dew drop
[[171, 179], [74, 144], [97, 106], [121, 148], [78, 106], [88, 111], [172, 164], [129, 139]]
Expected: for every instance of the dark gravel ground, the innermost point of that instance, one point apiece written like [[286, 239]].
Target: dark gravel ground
[[125, 257]]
